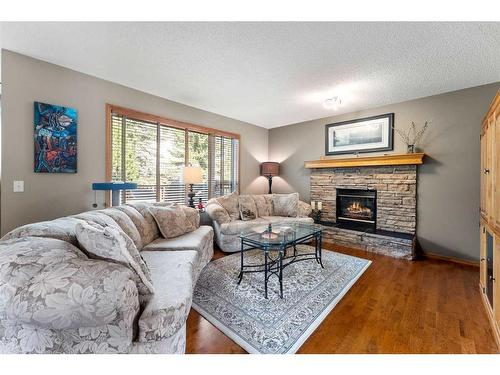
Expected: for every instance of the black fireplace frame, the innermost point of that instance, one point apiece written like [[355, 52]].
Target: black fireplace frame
[[353, 223]]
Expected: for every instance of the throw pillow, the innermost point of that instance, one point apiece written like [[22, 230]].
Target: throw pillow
[[264, 204], [171, 220], [217, 212], [286, 204], [230, 203], [112, 244], [248, 209]]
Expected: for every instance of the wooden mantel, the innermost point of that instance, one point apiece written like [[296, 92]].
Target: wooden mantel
[[368, 161]]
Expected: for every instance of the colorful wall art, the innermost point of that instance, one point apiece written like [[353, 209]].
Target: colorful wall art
[[55, 138]]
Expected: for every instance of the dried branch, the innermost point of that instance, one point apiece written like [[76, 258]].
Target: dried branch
[[412, 136]]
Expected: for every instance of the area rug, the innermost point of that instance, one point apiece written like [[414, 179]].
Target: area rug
[[274, 325]]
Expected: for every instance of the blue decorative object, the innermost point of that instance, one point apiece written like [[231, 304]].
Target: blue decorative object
[[115, 188]]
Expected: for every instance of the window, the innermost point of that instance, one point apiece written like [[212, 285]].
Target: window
[[152, 151]]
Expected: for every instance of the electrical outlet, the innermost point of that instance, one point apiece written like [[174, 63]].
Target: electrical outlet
[[18, 186]]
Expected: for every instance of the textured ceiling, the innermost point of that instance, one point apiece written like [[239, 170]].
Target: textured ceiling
[[271, 74]]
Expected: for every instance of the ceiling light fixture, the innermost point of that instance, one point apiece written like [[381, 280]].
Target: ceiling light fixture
[[332, 103]]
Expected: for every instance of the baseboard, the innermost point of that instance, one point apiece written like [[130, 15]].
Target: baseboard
[[494, 325], [450, 259]]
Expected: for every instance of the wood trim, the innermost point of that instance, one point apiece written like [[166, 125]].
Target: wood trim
[[393, 159], [132, 113], [107, 197], [495, 104], [464, 262], [494, 325]]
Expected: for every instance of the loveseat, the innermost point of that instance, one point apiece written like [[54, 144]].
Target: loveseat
[[232, 214], [54, 298]]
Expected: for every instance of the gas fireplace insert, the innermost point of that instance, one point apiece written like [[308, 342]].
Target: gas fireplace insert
[[357, 208]]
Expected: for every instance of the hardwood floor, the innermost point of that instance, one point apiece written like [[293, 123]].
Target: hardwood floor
[[424, 306]]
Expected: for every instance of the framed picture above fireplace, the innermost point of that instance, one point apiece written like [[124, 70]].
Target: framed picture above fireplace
[[368, 134]]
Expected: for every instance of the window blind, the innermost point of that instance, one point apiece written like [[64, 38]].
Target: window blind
[[153, 154]]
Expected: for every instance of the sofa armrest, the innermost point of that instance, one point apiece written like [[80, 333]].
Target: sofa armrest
[[74, 293], [304, 209], [217, 212]]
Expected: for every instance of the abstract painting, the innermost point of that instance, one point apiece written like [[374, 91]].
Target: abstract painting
[[55, 138], [362, 135]]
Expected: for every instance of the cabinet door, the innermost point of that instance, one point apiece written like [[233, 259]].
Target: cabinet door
[[483, 175], [491, 169], [482, 246], [496, 156], [490, 278], [488, 171]]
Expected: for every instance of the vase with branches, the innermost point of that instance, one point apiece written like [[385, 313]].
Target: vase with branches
[[412, 136]]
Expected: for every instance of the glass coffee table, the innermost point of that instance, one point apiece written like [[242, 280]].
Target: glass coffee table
[[278, 243]]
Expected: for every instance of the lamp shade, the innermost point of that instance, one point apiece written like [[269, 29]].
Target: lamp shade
[[270, 168], [192, 175]]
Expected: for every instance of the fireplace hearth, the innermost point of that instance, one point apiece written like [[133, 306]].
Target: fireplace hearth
[[357, 209]]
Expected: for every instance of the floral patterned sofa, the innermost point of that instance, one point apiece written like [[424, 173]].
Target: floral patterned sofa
[[233, 214], [55, 299]]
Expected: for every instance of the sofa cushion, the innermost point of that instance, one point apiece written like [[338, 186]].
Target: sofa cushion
[[285, 204], [61, 229], [149, 229], [247, 207], [238, 226], [230, 203], [172, 220], [194, 240], [173, 274], [97, 217], [217, 212], [139, 221], [126, 224], [264, 204], [112, 244]]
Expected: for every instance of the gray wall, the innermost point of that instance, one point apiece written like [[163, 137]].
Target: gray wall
[[47, 196], [448, 183]]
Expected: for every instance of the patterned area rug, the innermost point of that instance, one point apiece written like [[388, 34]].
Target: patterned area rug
[[274, 326]]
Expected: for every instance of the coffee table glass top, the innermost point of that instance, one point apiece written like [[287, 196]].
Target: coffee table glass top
[[279, 234]]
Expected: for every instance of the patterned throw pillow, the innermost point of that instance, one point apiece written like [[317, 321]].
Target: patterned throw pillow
[[264, 204], [286, 204], [230, 203], [171, 220], [112, 244], [248, 209], [217, 212]]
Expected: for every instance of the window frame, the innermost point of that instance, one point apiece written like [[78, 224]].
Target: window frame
[[159, 120]]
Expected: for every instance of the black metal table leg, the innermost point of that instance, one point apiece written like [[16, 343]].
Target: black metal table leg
[[320, 237], [281, 273], [240, 276], [265, 273]]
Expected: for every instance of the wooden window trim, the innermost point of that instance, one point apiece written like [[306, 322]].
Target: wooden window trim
[[143, 116]]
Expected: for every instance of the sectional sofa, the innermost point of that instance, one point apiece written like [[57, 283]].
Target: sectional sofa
[[54, 298], [232, 214]]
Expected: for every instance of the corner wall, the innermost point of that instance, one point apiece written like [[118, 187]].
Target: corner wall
[[448, 182], [48, 196]]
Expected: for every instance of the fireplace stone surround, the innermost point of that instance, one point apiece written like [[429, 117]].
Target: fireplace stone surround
[[396, 192]]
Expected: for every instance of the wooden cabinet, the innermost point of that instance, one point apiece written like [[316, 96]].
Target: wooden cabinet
[[490, 215]]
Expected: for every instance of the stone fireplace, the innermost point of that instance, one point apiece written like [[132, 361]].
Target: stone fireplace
[[370, 205]]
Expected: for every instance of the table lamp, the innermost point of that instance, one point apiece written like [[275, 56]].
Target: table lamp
[[269, 169], [192, 175]]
